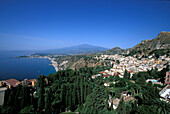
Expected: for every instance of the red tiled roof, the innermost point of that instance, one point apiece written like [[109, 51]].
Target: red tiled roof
[[115, 74], [101, 72], [124, 92], [107, 75], [13, 82], [32, 80]]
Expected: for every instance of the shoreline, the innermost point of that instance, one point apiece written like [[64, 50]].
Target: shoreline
[[52, 60], [54, 63]]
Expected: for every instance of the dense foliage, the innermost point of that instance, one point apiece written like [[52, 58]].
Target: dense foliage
[[76, 91]]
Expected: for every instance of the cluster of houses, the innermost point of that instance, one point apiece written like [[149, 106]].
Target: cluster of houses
[[132, 64], [164, 93], [114, 102], [14, 83], [63, 65], [4, 84]]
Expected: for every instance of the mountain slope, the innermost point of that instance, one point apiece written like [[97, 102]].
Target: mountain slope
[[116, 50], [158, 46], [162, 41]]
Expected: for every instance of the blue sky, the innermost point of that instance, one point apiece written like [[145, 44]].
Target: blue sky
[[50, 24]]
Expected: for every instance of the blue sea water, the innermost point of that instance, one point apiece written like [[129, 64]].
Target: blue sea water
[[21, 68]]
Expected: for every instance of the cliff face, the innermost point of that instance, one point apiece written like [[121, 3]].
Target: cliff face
[[162, 41]]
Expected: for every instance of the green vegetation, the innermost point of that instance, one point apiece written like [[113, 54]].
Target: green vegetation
[[75, 91], [160, 52]]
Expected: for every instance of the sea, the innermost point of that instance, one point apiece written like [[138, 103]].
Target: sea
[[21, 68]]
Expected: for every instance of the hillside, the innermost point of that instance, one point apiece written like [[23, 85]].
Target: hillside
[[116, 50], [161, 42], [158, 46]]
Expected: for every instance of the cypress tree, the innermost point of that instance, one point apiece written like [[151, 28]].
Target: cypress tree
[[74, 94], [78, 90], [6, 96], [81, 87], [48, 108], [41, 101], [23, 102], [126, 74], [70, 98], [96, 100], [85, 91]]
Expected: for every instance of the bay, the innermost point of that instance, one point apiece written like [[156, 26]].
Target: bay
[[21, 68]]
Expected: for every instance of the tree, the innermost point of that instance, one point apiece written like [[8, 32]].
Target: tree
[[41, 84], [121, 109], [6, 96], [117, 61], [81, 89], [28, 110], [25, 96], [150, 93], [162, 75], [117, 77], [141, 81], [126, 74], [48, 101], [96, 101], [163, 107], [135, 77], [117, 93], [121, 83]]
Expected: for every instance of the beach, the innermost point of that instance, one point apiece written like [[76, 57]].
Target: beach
[[53, 62]]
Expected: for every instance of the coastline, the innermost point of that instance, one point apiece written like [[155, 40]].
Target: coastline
[[54, 63], [52, 60]]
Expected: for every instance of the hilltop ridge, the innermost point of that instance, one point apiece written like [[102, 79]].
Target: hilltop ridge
[[159, 45], [161, 41]]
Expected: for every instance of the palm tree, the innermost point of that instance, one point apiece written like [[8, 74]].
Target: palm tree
[[163, 107]]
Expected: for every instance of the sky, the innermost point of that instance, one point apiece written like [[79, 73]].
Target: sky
[[51, 24]]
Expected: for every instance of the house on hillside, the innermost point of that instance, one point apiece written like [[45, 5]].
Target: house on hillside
[[165, 93], [2, 93], [11, 82], [167, 78], [154, 81], [32, 82], [15, 83], [115, 103]]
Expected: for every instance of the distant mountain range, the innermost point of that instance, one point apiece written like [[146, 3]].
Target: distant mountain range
[[158, 46], [161, 42], [74, 50]]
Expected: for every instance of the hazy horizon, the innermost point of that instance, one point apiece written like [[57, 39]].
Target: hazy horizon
[[41, 25]]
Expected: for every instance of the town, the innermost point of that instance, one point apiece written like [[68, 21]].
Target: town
[[121, 67], [133, 65]]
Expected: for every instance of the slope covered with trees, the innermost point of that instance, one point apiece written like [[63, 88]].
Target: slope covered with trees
[[76, 91]]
